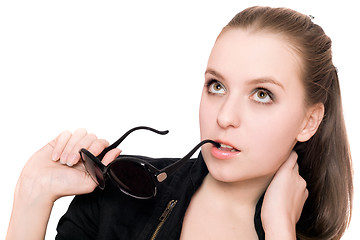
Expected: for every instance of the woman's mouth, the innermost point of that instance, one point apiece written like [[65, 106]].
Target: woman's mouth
[[225, 147], [224, 151]]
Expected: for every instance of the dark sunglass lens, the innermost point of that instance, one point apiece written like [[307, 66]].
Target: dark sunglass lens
[[93, 170], [132, 178]]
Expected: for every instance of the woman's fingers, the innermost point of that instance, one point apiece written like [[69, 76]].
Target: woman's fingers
[[98, 146], [85, 142], [296, 167], [110, 156], [291, 162], [74, 139], [59, 144], [66, 146], [285, 195]]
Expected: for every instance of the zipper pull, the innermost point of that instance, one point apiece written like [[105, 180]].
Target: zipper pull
[[168, 210], [163, 217]]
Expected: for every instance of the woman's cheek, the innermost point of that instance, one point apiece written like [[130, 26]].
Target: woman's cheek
[[271, 142], [207, 118]]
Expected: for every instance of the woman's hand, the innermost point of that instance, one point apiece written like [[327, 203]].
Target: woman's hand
[[56, 170], [52, 172], [283, 201]]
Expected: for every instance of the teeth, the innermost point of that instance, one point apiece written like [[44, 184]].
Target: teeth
[[228, 147], [225, 146]]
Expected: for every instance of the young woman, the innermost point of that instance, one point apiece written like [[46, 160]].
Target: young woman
[[270, 87]]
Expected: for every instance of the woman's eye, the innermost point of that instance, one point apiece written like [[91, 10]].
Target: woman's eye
[[216, 87], [262, 96]]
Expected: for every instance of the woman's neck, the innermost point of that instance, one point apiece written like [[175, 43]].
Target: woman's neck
[[237, 194]]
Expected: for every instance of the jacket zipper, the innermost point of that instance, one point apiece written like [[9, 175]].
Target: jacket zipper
[[163, 217]]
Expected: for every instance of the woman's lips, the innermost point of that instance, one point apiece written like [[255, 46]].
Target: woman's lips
[[224, 152]]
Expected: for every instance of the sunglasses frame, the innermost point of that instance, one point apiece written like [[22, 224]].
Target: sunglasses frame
[[157, 175]]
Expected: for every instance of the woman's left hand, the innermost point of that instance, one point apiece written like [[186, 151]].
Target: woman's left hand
[[283, 201]]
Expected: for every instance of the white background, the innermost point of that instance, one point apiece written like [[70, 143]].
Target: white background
[[109, 66]]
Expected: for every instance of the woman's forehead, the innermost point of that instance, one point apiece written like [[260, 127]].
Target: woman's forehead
[[252, 54]]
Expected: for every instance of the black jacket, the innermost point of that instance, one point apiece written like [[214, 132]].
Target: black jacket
[[110, 214]]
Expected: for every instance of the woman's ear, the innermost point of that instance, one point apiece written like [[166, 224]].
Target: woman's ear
[[312, 122]]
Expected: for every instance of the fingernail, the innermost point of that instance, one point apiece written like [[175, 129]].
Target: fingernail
[[55, 156], [63, 159], [72, 159]]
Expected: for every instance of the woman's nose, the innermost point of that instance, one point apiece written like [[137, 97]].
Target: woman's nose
[[229, 113]]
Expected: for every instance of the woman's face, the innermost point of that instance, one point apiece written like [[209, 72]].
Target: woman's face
[[253, 103]]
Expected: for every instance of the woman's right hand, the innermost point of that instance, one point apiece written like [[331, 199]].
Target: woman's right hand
[[56, 169], [52, 172]]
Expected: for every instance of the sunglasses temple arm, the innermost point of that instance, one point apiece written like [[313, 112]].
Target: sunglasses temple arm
[[115, 144], [173, 167]]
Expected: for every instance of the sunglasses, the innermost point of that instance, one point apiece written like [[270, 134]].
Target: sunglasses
[[132, 175]]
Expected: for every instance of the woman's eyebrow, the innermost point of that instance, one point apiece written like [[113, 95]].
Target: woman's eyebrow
[[265, 80], [214, 73], [250, 82]]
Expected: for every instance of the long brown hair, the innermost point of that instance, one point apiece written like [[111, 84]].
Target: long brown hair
[[324, 160]]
